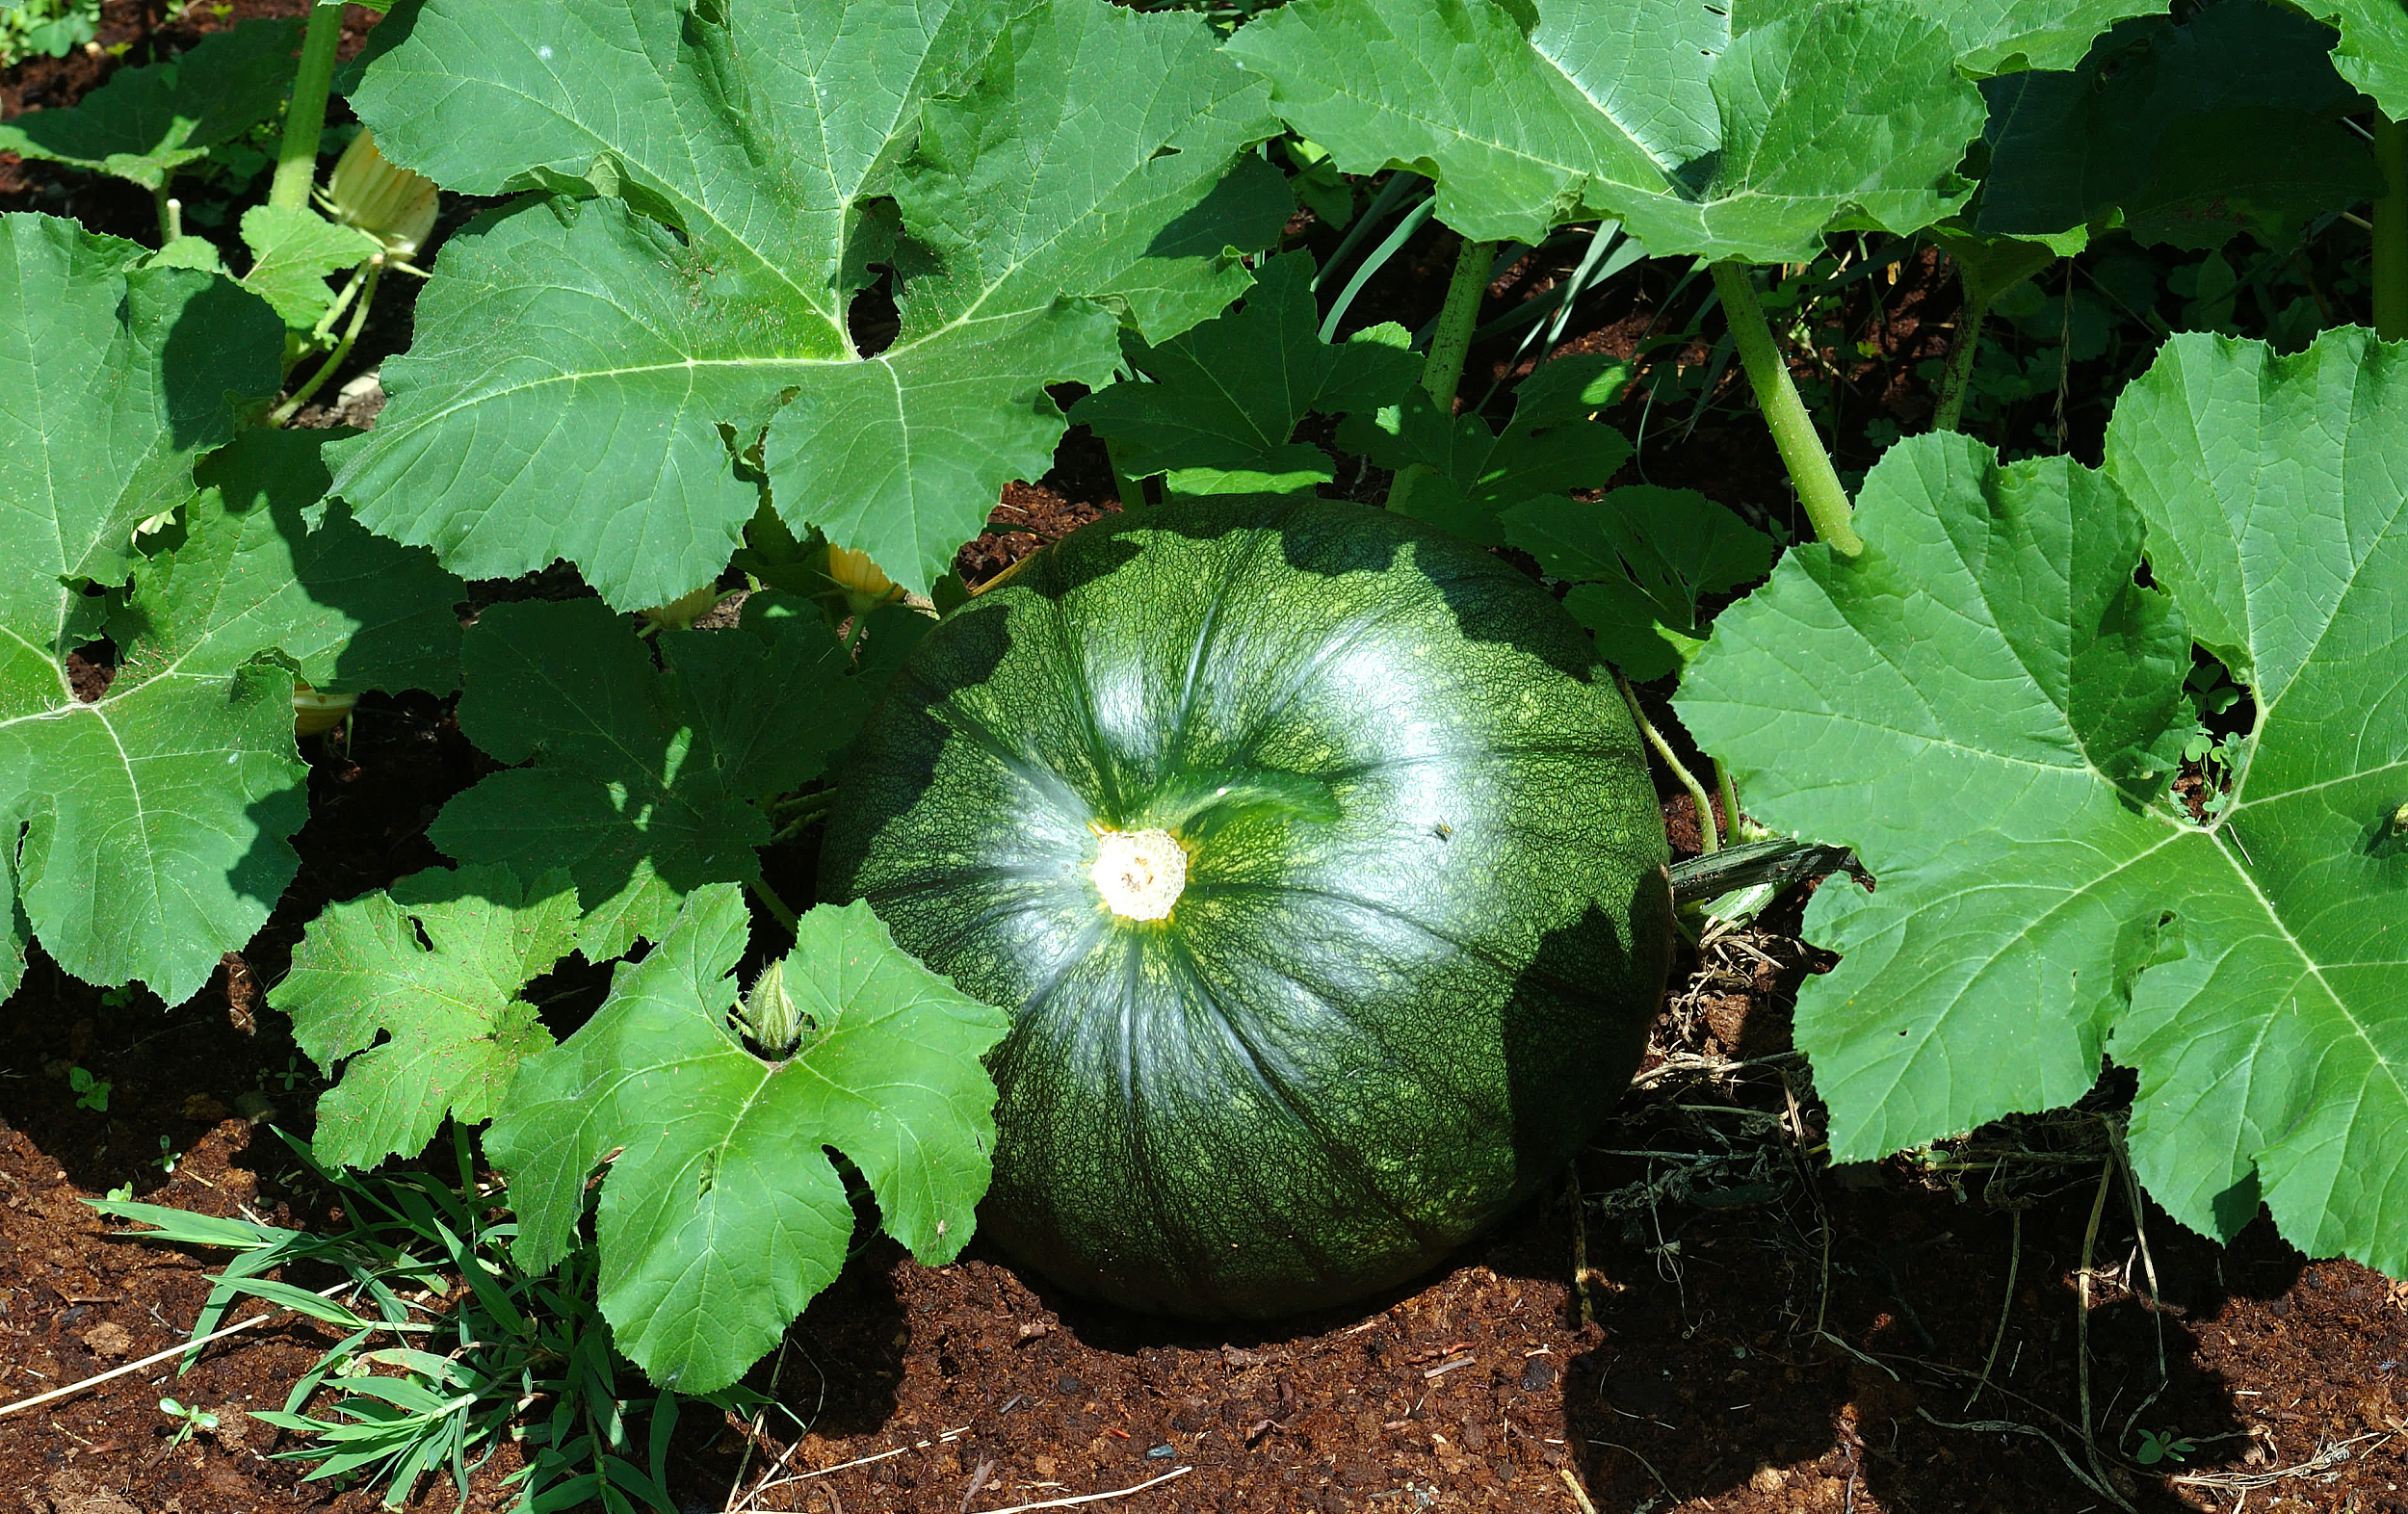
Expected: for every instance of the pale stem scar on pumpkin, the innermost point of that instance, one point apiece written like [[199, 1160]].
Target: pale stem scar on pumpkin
[[1140, 874]]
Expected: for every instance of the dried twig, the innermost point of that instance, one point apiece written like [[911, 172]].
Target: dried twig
[[152, 1360], [1091, 1497]]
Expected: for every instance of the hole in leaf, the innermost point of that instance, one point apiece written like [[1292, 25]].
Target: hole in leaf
[[90, 668], [2226, 713], [873, 319]]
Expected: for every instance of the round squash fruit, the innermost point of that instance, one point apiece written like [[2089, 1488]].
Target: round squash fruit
[[1316, 858]]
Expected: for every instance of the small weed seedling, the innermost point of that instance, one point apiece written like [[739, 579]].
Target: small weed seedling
[[90, 1092], [2156, 1445], [190, 1419]]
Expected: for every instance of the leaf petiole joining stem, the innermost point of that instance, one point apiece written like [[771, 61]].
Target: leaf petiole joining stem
[[1810, 473]]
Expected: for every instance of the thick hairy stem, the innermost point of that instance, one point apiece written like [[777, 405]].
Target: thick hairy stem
[[1709, 842], [1810, 467], [342, 349], [297, 155], [1450, 343], [2391, 232], [1959, 373], [1451, 340]]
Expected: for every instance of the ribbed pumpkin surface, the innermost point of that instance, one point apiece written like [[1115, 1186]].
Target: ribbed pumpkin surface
[[1424, 927]]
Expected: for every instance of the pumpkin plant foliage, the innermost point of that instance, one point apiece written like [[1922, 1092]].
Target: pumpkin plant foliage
[[153, 819], [725, 179], [721, 1213], [1988, 704]]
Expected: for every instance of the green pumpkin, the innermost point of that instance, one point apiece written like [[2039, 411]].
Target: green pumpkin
[[1423, 926]]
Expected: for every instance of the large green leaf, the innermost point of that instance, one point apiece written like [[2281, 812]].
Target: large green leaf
[[416, 991], [1640, 560], [2373, 49], [1994, 36], [146, 122], [2185, 133], [1222, 407], [1700, 135], [641, 780], [721, 1213], [268, 561], [1552, 444], [155, 818], [582, 370], [1989, 708]]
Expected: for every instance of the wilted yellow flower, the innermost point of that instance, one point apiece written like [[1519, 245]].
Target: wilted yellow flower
[[865, 588], [394, 205]]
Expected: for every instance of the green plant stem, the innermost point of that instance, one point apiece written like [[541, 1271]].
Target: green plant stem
[[777, 907], [1450, 345], [170, 215], [297, 155], [1708, 840], [2391, 232], [1811, 472], [1730, 796], [1451, 340], [1958, 375], [350, 333]]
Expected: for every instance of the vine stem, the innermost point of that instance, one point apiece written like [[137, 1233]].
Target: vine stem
[[342, 349], [1708, 840], [297, 154], [1810, 473], [1955, 379], [1450, 345], [2390, 231], [779, 910]]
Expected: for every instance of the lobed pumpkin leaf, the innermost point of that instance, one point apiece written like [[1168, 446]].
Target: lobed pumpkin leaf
[[1552, 444], [1741, 132], [1640, 560], [1221, 411], [146, 122], [586, 368], [453, 1024], [643, 781], [2185, 134], [153, 819], [1990, 709], [721, 1213], [292, 253]]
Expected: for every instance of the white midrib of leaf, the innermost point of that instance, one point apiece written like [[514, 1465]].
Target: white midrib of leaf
[[764, 368], [695, 212]]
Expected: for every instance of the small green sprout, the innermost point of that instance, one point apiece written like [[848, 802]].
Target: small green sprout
[[192, 1418], [168, 1157], [2156, 1445], [90, 1092]]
